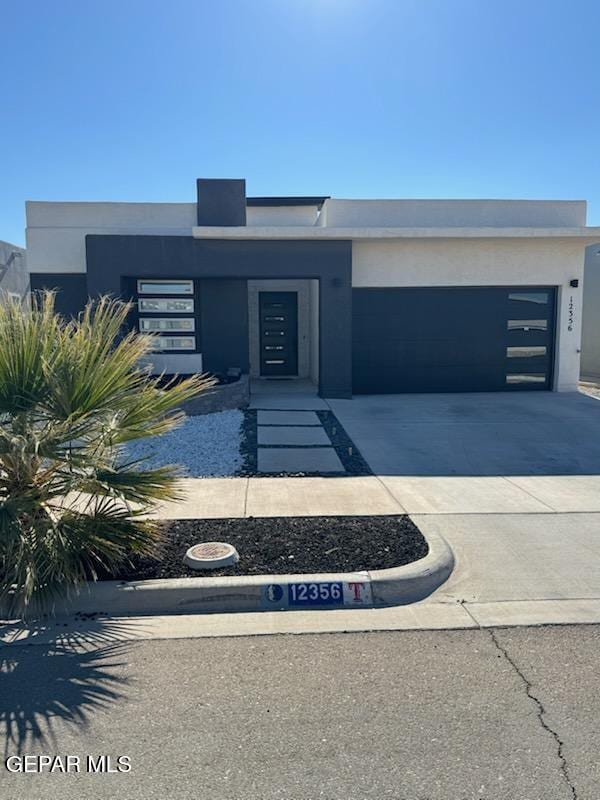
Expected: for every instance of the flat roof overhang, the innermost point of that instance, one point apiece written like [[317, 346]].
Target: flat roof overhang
[[587, 235]]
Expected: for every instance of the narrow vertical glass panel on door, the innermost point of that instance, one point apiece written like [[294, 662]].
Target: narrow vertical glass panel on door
[[528, 378], [525, 352], [527, 324], [540, 298]]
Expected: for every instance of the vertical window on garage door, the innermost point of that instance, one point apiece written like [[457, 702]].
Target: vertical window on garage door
[[529, 338]]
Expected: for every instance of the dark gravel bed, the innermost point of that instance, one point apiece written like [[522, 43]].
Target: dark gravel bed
[[347, 451], [287, 545], [248, 445]]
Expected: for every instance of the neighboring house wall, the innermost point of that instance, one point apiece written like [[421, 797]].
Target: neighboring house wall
[[486, 262], [590, 343], [14, 278]]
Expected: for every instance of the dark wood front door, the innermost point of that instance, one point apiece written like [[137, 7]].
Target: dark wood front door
[[278, 333]]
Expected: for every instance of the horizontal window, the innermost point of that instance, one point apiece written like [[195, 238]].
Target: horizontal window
[[273, 333], [275, 361], [157, 324], [530, 297], [527, 324], [527, 377], [274, 319], [145, 286], [158, 305], [273, 347], [525, 352], [174, 343]]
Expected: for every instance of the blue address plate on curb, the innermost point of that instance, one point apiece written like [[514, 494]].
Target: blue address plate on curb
[[322, 594]]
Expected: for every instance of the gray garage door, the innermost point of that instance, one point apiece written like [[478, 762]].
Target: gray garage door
[[452, 340]]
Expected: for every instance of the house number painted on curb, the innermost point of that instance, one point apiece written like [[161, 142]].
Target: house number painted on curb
[[326, 593]]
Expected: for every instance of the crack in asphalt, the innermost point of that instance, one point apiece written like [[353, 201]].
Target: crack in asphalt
[[541, 712]]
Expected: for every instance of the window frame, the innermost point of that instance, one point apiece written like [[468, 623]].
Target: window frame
[[141, 310], [157, 349], [162, 283], [167, 331]]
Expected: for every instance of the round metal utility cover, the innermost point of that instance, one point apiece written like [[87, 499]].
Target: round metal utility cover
[[211, 555]]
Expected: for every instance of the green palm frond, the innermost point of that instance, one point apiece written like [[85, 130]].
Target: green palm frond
[[71, 394]]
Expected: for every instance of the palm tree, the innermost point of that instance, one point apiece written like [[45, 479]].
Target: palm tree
[[72, 394]]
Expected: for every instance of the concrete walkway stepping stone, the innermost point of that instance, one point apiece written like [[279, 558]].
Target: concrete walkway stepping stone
[[294, 436], [288, 418], [291, 402], [298, 459]]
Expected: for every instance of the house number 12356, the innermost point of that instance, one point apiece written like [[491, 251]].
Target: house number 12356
[[571, 313]]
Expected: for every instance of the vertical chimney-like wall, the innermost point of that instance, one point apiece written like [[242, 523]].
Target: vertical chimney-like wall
[[221, 201]]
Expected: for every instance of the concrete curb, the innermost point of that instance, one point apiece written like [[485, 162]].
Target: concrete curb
[[412, 582], [396, 586]]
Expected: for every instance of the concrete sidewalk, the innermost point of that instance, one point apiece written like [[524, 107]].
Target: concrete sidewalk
[[356, 496], [527, 549]]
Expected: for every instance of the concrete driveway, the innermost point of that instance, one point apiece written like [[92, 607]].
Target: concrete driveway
[[512, 481], [525, 433]]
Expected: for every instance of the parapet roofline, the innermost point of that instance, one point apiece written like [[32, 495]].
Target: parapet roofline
[[592, 234]]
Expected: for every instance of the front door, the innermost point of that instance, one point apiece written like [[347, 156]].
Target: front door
[[278, 333]]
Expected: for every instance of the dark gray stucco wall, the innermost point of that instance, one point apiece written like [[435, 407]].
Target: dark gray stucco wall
[[221, 201], [224, 323], [71, 289], [110, 257]]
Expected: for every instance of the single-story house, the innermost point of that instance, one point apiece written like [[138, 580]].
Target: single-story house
[[360, 296], [14, 278]]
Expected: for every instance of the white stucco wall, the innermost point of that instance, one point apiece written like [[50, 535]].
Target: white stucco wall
[[453, 213], [486, 262], [56, 231], [281, 215], [590, 345]]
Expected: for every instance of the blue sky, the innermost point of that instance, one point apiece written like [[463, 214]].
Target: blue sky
[[132, 100]]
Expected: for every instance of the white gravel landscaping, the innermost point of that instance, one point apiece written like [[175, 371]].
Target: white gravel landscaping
[[205, 446]]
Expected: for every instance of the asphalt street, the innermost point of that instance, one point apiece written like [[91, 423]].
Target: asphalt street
[[504, 714]]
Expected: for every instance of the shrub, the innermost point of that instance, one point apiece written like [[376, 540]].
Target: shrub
[[72, 394]]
